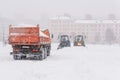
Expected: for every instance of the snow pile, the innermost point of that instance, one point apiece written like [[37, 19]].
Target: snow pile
[[94, 62]]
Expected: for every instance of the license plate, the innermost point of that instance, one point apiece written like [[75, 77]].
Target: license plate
[[25, 47]]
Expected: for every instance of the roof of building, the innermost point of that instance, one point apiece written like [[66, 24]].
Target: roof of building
[[60, 18], [97, 21], [87, 21], [109, 21]]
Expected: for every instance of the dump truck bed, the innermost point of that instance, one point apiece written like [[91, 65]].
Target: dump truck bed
[[24, 35], [28, 36]]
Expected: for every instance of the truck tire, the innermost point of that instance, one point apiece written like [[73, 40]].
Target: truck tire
[[41, 57], [37, 58], [45, 53], [16, 57], [48, 52]]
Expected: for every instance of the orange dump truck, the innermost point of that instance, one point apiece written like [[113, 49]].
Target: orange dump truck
[[29, 42]]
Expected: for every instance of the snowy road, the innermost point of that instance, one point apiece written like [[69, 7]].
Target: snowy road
[[96, 62]]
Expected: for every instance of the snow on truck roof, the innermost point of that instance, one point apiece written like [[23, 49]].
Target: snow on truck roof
[[43, 35], [25, 25]]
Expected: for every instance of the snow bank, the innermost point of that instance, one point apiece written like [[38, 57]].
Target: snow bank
[[93, 62]]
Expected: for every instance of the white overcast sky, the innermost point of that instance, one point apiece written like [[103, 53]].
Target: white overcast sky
[[77, 8]]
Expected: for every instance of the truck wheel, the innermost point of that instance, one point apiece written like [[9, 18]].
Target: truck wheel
[[23, 57], [16, 57], [37, 58], [48, 52], [45, 53], [41, 57]]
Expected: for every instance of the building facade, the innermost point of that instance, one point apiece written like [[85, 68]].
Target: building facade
[[58, 26], [95, 31]]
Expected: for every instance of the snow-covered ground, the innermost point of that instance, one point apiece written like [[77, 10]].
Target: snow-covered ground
[[94, 62]]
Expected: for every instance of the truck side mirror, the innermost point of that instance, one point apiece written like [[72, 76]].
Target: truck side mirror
[[52, 36]]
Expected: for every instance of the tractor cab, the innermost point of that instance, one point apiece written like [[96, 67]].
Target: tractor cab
[[79, 40], [64, 38], [64, 41]]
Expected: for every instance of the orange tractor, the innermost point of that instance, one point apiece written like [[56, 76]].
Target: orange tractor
[[29, 42], [79, 40]]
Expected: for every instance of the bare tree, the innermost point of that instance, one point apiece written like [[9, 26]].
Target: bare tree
[[109, 36]]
